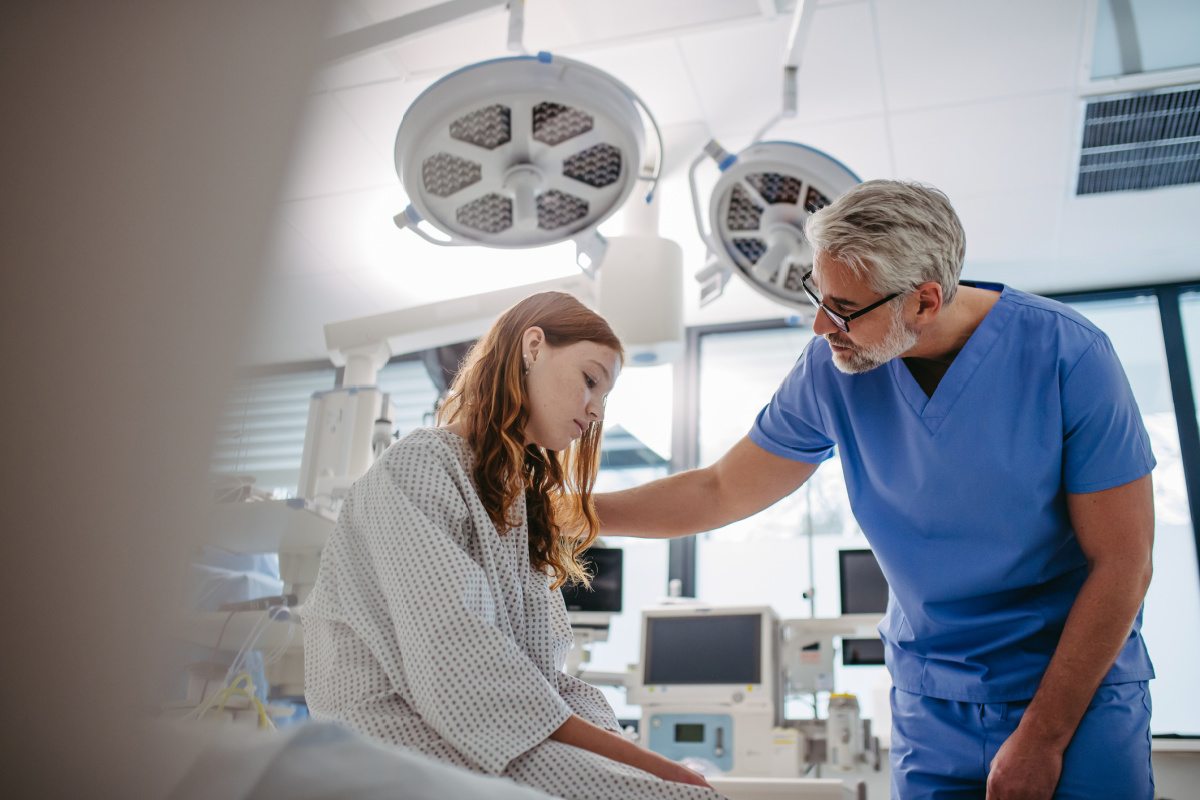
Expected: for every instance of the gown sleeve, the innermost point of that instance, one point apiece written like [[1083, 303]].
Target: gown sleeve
[[587, 702], [425, 608]]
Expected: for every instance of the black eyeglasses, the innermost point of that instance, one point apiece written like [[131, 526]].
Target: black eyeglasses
[[840, 321]]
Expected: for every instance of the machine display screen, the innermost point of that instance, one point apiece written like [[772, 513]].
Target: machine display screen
[[862, 651], [605, 564], [864, 589], [716, 649], [689, 732]]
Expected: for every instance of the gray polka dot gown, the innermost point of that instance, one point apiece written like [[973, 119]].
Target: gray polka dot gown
[[430, 630]]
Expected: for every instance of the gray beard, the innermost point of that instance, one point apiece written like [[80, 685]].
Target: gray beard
[[899, 340]]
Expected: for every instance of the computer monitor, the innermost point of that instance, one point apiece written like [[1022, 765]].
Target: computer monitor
[[862, 652], [696, 657], [864, 589], [605, 564], [704, 649]]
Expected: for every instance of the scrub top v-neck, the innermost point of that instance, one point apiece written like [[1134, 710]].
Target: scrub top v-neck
[[933, 408], [962, 494]]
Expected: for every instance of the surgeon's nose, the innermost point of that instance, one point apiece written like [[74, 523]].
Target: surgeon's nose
[[822, 324]]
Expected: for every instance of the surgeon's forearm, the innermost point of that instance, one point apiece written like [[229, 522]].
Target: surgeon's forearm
[[1096, 630], [678, 505]]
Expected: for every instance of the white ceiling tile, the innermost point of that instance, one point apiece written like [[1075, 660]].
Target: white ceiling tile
[[331, 154], [839, 67], [1134, 237], [549, 26], [656, 71], [1009, 228], [380, 10], [477, 39], [985, 147], [345, 16], [378, 109], [682, 144], [290, 254], [369, 68], [860, 144], [738, 74], [612, 19], [548, 23], [949, 51], [353, 230], [289, 325]]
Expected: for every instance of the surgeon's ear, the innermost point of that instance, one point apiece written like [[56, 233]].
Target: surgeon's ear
[[929, 301]]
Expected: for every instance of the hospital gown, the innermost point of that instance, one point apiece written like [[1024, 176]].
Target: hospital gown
[[430, 630]]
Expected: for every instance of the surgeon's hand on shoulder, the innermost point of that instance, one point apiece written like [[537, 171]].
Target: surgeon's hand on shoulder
[[1024, 769]]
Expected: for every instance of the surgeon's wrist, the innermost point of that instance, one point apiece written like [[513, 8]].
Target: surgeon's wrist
[[1041, 734]]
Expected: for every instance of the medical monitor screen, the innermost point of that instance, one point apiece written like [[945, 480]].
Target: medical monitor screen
[[704, 649], [861, 652], [605, 564], [864, 589]]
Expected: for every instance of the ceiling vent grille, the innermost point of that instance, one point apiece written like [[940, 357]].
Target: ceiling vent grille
[[1140, 141]]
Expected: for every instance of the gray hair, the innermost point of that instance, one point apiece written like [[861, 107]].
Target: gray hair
[[896, 234]]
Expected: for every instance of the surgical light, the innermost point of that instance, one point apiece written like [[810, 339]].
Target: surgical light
[[757, 211], [522, 152]]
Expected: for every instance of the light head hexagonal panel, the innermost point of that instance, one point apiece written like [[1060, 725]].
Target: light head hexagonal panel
[[744, 214], [752, 249], [814, 201], [775, 187], [444, 174], [556, 209], [554, 123], [488, 127], [597, 166], [491, 213]]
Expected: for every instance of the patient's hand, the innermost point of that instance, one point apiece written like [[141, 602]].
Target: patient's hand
[[580, 733], [669, 770]]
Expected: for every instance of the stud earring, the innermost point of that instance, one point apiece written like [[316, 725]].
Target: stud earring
[[526, 357]]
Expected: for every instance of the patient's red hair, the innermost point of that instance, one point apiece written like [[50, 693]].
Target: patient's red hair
[[489, 397]]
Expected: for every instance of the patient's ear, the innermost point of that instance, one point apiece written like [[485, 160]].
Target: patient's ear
[[532, 341]]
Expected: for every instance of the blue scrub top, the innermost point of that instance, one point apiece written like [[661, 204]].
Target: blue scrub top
[[963, 495]]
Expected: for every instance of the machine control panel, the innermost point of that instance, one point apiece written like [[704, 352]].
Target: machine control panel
[[700, 736]]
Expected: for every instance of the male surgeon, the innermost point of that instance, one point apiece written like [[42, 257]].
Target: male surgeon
[[996, 460]]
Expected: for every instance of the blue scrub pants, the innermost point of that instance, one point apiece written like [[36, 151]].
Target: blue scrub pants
[[942, 749]]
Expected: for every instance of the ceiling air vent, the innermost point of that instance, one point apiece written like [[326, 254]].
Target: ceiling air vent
[[1140, 141]]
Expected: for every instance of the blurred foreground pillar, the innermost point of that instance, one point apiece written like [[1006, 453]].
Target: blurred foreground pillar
[[141, 148]]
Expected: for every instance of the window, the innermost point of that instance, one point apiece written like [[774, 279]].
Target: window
[[1134, 36], [411, 393], [261, 431], [1171, 623]]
